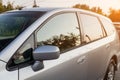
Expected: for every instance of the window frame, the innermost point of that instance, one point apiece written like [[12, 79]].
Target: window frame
[[24, 64], [105, 28], [52, 16]]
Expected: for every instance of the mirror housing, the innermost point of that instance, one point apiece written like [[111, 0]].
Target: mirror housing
[[46, 52], [38, 65]]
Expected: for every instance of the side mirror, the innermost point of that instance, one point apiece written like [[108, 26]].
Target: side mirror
[[44, 53]]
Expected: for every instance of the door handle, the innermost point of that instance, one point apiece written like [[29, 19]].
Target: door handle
[[81, 60]]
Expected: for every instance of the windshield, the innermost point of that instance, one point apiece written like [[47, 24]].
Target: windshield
[[13, 23]]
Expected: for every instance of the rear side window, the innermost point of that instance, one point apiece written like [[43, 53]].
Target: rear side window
[[91, 27], [108, 26]]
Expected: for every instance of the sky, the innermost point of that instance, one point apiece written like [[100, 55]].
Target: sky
[[104, 4]]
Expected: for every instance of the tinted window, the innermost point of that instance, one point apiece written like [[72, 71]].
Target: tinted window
[[92, 27], [62, 31], [108, 26], [13, 23]]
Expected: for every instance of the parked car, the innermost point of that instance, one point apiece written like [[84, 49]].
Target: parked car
[[57, 44]]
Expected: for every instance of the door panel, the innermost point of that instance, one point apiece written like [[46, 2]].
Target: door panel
[[94, 36], [61, 30], [66, 67], [7, 75], [97, 60]]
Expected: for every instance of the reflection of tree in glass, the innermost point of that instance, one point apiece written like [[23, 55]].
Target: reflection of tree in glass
[[63, 41], [11, 27]]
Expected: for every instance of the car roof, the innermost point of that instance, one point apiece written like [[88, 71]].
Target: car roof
[[37, 9], [40, 9], [49, 9]]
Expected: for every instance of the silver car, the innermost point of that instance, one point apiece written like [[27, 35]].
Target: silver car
[[57, 44]]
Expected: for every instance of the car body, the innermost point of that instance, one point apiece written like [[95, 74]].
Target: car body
[[57, 44]]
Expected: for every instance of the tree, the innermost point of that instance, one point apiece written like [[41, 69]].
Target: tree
[[9, 6], [19, 7], [114, 15], [86, 7], [82, 6], [97, 10], [2, 8]]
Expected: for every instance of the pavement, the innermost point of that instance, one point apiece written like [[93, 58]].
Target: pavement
[[117, 76]]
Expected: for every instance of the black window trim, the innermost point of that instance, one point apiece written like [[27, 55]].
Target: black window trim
[[24, 64]]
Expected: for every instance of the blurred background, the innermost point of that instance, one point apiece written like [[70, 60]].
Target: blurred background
[[108, 8]]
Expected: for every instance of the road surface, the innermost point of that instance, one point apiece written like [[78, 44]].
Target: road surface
[[117, 76]]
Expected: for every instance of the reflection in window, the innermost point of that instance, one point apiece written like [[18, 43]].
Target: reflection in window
[[108, 26], [61, 31], [13, 23], [92, 28], [23, 55]]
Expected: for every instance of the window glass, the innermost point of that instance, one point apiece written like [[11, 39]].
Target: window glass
[[92, 27], [23, 55], [108, 26], [62, 31], [13, 23]]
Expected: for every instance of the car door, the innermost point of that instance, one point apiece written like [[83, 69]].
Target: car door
[[60, 30], [98, 45], [22, 59]]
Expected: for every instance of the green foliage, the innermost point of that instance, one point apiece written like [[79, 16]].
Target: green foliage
[[8, 7]]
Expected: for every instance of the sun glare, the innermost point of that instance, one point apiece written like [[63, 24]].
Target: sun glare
[[105, 5]]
